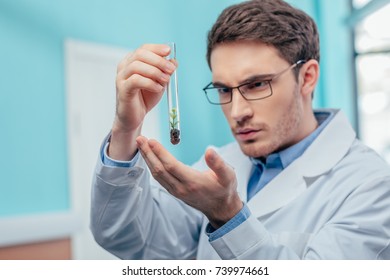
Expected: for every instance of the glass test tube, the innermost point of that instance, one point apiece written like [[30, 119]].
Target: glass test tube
[[173, 102]]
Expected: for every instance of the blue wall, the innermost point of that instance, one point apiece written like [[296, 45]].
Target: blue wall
[[32, 95]]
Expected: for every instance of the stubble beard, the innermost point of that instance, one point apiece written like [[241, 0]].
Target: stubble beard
[[281, 136]]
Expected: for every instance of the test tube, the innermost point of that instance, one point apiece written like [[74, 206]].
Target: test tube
[[173, 102]]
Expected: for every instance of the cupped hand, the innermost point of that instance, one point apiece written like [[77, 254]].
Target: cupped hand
[[213, 192]]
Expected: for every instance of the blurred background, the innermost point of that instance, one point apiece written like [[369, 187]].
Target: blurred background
[[57, 97]]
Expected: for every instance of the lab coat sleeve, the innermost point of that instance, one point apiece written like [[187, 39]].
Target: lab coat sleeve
[[133, 219], [251, 240], [360, 229]]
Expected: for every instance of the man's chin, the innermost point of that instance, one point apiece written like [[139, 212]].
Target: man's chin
[[254, 149]]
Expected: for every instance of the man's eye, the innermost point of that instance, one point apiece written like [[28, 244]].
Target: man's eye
[[223, 90], [256, 85]]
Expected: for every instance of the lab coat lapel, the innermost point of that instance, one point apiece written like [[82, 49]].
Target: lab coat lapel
[[278, 192], [242, 167], [303, 172]]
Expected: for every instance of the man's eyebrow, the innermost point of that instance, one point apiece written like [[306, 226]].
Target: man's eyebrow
[[262, 77], [219, 84]]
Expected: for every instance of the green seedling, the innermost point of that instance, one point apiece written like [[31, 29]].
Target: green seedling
[[175, 132]]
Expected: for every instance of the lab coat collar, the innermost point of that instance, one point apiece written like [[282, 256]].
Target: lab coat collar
[[323, 154], [337, 137]]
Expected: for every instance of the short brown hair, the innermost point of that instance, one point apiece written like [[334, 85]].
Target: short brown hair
[[274, 22]]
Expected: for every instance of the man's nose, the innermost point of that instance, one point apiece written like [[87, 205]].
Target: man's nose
[[241, 108]]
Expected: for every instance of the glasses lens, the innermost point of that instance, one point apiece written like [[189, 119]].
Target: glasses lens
[[256, 90], [250, 91], [219, 95]]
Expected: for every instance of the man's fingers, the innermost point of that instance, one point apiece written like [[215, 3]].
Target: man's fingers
[[145, 70], [160, 49], [224, 172], [170, 163], [156, 166], [152, 161], [140, 82], [155, 58]]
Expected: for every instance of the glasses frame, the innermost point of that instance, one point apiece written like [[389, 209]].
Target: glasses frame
[[274, 76]]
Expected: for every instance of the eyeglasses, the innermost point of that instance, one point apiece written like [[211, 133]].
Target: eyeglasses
[[255, 89]]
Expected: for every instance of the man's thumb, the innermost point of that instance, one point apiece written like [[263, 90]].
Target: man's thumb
[[223, 171]]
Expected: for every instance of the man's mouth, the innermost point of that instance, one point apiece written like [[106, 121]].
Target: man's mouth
[[246, 134]]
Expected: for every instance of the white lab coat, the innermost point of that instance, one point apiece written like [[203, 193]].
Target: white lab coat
[[333, 202]]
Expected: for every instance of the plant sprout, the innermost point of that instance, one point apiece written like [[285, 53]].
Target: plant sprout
[[173, 122]]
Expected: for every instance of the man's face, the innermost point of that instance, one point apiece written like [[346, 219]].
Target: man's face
[[259, 126]]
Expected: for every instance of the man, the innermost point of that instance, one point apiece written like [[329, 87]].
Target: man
[[296, 184]]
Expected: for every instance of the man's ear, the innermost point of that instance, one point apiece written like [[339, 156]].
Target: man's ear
[[309, 74]]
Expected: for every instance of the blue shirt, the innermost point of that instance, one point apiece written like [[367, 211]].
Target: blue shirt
[[263, 171]]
